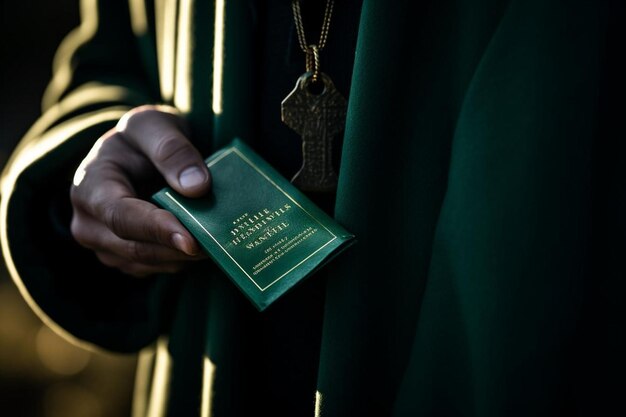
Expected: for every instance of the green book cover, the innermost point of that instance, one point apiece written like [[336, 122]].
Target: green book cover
[[261, 230]]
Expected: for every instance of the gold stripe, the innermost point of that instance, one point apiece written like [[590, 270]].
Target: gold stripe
[[184, 48], [160, 392], [318, 404], [62, 65], [138, 17], [143, 375], [26, 157], [218, 55], [208, 377], [165, 11], [90, 93]]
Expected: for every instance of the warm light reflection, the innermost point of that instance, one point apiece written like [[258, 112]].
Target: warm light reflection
[[59, 356], [218, 56], [318, 404], [159, 394], [85, 96], [81, 171], [184, 46], [141, 393], [165, 11], [122, 124], [138, 18], [208, 376]]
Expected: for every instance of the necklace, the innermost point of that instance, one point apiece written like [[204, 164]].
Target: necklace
[[317, 116]]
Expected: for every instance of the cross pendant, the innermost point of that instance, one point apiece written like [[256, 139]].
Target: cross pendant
[[317, 118]]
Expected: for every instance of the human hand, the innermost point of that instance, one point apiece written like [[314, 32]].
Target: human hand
[[110, 217]]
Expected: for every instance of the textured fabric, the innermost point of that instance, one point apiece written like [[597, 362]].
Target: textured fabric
[[482, 170]]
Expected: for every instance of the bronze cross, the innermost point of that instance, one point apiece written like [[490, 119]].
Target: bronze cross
[[317, 118]]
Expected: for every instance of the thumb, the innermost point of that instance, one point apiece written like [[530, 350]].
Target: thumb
[[158, 135]]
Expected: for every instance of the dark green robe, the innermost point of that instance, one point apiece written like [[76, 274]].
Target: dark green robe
[[483, 170]]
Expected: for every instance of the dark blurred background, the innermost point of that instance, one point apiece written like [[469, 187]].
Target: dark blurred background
[[41, 375]]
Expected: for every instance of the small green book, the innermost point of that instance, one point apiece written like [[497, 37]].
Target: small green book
[[261, 230]]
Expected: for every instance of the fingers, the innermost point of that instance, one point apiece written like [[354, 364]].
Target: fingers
[[94, 235], [124, 231], [159, 136], [131, 220], [138, 269], [106, 194], [138, 220]]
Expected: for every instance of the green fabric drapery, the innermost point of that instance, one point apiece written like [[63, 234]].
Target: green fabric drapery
[[482, 170]]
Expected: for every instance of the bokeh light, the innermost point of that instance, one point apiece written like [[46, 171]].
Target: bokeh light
[[58, 355]]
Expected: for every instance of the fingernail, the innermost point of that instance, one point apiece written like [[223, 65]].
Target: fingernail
[[183, 244], [192, 177]]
